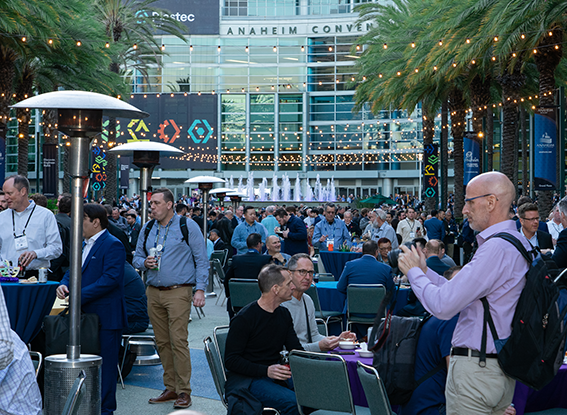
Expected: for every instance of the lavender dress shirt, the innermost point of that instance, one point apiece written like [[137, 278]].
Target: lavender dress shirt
[[496, 271]]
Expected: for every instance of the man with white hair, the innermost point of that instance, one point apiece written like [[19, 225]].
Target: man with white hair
[[379, 228]]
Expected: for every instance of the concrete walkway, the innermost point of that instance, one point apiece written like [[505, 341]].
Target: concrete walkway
[[134, 398]]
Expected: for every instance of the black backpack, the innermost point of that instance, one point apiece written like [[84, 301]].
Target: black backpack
[[534, 351], [394, 354], [182, 228]]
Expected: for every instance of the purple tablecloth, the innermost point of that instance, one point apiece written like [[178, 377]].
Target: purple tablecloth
[[334, 262], [551, 396], [358, 396]]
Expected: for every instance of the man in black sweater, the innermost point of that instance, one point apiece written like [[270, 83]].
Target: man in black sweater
[[257, 335]]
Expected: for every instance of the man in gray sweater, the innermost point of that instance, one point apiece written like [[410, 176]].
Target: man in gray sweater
[[303, 311]]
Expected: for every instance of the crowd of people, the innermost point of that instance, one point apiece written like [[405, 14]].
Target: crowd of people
[[276, 245]]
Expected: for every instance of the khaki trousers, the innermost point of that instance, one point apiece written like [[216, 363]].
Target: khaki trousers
[[169, 314], [474, 390]]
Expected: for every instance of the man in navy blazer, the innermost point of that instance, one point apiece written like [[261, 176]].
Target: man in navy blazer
[[366, 270], [102, 293], [295, 233], [434, 250]]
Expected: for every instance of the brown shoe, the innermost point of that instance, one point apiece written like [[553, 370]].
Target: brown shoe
[[166, 396], [183, 401]]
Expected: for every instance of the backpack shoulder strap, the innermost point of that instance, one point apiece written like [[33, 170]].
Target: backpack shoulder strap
[[516, 242], [149, 227], [184, 229]]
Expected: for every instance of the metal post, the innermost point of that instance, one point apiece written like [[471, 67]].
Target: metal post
[[79, 156], [561, 142], [145, 188], [531, 144]]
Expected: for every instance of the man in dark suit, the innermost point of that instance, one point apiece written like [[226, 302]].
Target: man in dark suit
[[529, 221], [60, 265], [246, 265], [295, 233], [102, 293], [218, 244], [366, 270], [434, 250]]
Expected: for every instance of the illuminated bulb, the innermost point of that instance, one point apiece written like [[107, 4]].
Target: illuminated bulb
[[556, 46], [523, 36], [435, 68], [162, 47], [303, 48], [550, 33], [24, 39], [413, 44], [468, 40], [535, 51], [218, 48], [496, 40], [398, 73], [454, 65], [385, 46], [514, 54], [275, 49], [357, 47], [50, 41], [416, 70], [79, 43], [107, 45], [494, 58], [190, 48], [440, 43], [473, 61], [135, 46], [330, 48]]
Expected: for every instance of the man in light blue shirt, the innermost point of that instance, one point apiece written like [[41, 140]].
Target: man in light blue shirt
[[330, 228], [247, 227], [269, 222], [379, 228]]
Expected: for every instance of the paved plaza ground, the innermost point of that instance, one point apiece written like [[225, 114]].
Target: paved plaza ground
[[145, 382]]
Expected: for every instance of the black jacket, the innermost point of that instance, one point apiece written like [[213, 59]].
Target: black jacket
[[246, 266], [544, 240], [219, 245], [560, 254]]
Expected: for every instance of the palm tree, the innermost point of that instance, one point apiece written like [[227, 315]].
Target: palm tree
[[125, 24]]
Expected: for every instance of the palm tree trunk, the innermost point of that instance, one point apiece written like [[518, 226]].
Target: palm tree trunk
[[525, 175], [111, 167], [23, 141], [547, 59], [457, 106], [489, 139], [511, 84], [428, 134], [7, 58], [444, 151], [480, 99]]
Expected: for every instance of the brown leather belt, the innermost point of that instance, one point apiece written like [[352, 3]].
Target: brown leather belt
[[173, 287], [463, 351]]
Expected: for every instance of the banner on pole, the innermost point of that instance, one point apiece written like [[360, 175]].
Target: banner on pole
[[98, 169], [471, 146], [124, 173], [431, 170], [545, 148], [50, 170]]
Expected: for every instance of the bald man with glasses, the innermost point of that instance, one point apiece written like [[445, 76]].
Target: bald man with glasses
[[477, 384]]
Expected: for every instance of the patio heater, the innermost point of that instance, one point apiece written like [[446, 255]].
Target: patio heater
[[221, 192], [235, 198], [146, 156], [79, 117], [205, 184]]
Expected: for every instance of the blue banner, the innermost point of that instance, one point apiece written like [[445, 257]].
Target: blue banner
[[2, 158], [472, 157], [545, 148]]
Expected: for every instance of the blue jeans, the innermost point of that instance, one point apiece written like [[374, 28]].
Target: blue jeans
[[274, 395]]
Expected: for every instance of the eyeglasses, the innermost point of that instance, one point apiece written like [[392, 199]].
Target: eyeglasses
[[470, 199], [530, 219], [303, 272]]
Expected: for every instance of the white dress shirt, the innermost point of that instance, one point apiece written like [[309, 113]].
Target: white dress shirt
[[554, 229], [42, 234], [89, 245]]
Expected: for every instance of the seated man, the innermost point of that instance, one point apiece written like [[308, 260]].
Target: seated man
[[257, 335], [246, 266], [303, 311], [366, 270], [136, 301], [273, 249], [433, 253]]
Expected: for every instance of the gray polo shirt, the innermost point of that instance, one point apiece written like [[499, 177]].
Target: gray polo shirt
[[181, 263]]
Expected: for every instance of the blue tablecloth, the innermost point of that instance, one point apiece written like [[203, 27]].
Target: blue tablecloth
[[333, 300], [27, 305], [335, 261]]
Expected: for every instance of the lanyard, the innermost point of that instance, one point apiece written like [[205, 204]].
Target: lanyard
[[164, 237], [332, 226], [25, 226]]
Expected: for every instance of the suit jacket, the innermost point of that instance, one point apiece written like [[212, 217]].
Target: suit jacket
[[102, 284], [365, 270], [122, 237], [435, 263], [246, 266], [296, 241], [560, 253], [544, 240], [219, 245]]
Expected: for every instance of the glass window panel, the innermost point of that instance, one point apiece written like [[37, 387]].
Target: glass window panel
[[291, 118], [233, 103], [262, 142], [290, 161], [262, 162], [233, 141], [233, 161], [262, 118]]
